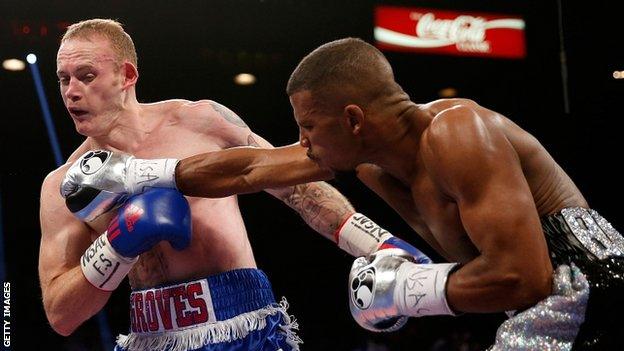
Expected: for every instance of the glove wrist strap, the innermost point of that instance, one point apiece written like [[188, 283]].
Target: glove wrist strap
[[156, 173], [103, 267], [360, 236], [422, 289]]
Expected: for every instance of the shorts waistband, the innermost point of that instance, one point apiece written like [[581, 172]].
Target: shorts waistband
[[215, 298], [576, 234]]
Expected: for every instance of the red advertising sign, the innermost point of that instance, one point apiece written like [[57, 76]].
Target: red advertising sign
[[449, 32]]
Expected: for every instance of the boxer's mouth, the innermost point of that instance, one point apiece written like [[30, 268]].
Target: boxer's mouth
[[76, 112]]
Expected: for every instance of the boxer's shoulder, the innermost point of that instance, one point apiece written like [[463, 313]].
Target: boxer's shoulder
[[51, 203], [200, 115], [462, 124], [448, 128], [454, 116], [460, 143], [438, 106], [53, 179]]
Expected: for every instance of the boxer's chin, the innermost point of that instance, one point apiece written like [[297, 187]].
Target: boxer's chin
[[85, 127]]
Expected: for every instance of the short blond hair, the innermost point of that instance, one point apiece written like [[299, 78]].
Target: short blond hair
[[110, 29]]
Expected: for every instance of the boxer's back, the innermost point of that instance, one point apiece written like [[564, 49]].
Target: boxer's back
[[551, 187], [179, 129], [465, 128]]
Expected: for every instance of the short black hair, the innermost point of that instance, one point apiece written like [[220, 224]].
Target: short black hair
[[345, 63]]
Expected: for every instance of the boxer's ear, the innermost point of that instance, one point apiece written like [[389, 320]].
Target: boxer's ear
[[354, 118], [131, 74]]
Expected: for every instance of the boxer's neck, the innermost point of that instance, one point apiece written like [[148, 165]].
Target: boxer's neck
[[396, 141], [130, 127]]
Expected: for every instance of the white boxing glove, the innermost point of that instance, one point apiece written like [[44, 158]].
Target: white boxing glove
[[387, 287], [101, 180]]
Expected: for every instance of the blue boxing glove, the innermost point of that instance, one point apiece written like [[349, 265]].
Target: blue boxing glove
[[142, 222], [146, 219]]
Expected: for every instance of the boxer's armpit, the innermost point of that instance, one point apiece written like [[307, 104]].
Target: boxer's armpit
[[321, 206]]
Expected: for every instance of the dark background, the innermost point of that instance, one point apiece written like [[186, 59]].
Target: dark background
[[192, 49]]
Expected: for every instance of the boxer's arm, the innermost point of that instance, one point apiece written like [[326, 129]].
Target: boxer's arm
[[321, 206], [242, 170], [329, 213], [497, 210], [68, 298], [248, 164], [400, 198], [285, 172]]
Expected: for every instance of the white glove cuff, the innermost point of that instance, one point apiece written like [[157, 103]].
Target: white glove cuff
[[103, 267], [360, 236], [421, 289], [156, 173]]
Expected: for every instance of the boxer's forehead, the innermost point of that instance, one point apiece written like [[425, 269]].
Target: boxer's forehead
[[75, 52], [303, 105]]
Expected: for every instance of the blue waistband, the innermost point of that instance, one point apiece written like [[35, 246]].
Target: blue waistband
[[239, 291], [232, 293]]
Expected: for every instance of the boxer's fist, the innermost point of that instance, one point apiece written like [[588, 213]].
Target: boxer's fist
[[147, 219], [372, 283], [101, 180]]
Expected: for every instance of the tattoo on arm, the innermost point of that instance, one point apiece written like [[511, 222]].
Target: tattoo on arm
[[251, 141], [228, 114], [321, 206]]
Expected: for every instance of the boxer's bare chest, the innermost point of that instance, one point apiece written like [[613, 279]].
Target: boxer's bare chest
[[176, 142], [164, 142], [216, 222], [219, 239]]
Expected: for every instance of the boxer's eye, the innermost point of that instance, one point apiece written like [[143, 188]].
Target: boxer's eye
[[88, 77]]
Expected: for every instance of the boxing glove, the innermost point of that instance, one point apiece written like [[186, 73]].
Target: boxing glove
[[101, 180], [387, 287], [142, 222]]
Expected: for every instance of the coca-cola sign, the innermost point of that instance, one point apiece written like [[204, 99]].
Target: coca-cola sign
[[447, 32]]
